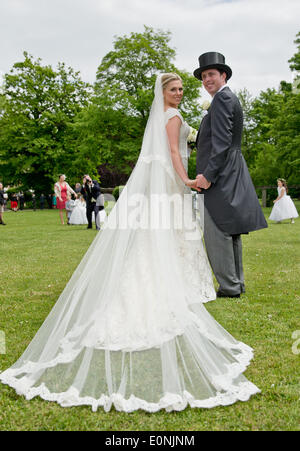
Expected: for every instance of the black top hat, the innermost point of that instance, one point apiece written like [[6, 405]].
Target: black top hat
[[212, 60]]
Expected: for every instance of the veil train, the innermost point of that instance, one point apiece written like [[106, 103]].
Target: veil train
[[130, 328]]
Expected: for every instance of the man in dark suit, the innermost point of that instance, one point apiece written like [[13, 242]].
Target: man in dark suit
[[42, 201], [22, 200], [91, 193], [231, 203], [2, 203]]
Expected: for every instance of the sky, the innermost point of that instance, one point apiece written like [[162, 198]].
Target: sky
[[256, 36]]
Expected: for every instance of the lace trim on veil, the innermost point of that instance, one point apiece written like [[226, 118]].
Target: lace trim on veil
[[169, 402], [228, 392]]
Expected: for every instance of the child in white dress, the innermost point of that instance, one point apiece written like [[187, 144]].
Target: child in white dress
[[78, 216], [284, 207]]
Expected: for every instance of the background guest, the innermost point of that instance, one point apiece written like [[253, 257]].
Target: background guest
[[33, 202], [2, 203], [78, 215], [14, 202], [21, 200], [42, 201], [91, 193], [70, 204], [284, 207], [53, 201], [77, 188], [61, 189], [5, 200], [49, 201]]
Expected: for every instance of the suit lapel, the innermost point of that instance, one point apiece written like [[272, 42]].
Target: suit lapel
[[205, 117], [226, 88], [208, 114]]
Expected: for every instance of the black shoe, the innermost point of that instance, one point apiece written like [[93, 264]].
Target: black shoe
[[89, 227], [220, 294]]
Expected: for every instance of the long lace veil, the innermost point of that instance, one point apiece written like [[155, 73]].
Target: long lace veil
[[129, 328]]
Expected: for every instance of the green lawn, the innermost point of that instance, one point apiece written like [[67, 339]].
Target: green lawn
[[38, 256]]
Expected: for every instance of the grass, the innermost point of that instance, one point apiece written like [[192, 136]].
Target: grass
[[38, 257]]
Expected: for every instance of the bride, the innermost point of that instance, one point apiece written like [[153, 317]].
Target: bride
[[130, 329]]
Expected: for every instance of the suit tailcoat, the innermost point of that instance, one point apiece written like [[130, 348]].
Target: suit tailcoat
[[231, 200]]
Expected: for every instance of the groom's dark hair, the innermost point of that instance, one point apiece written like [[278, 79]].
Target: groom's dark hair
[[222, 72]]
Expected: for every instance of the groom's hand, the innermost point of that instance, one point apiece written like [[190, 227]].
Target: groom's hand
[[202, 182]]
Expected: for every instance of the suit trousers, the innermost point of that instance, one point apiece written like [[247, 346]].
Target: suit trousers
[[90, 208], [225, 256]]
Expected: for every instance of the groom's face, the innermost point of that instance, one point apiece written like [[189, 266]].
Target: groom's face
[[213, 80]]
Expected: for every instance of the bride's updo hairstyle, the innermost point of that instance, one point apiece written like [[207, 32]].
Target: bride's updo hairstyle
[[166, 78]]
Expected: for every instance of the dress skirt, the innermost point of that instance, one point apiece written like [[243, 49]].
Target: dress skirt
[[284, 208]]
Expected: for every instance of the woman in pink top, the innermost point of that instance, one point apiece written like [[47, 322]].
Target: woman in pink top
[[61, 189]]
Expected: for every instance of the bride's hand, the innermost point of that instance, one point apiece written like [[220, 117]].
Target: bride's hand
[[193, 185]]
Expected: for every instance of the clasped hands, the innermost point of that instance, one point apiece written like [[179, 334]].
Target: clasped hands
[[199, 183], [202, 182]]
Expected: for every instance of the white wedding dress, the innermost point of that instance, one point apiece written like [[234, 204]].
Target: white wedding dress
[[78, 216], [284, 208], [130, 329]]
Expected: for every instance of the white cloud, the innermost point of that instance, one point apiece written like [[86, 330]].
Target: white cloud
[[256, 36]]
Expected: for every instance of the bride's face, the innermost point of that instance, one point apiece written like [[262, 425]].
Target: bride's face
[[173, 93]]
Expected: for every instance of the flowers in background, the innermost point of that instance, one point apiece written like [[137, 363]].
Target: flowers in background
[[192, 136]]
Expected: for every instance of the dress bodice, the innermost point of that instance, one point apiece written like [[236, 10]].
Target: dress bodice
[[184, 133], [279, 191]]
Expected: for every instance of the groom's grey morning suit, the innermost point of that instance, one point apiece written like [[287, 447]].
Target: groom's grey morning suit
[[231, 203]]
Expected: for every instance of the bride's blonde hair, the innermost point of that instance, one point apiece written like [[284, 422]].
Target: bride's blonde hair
[[166, 78]]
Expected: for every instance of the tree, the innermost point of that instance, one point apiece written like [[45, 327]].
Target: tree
[[286, 129], [295, 66], [127, 74], [275, 140], [106, 142], [261, 142], [295, 60], [39, 104], [123, 95], [248, 138]]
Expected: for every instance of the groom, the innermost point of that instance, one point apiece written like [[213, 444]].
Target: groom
[[231, 203]]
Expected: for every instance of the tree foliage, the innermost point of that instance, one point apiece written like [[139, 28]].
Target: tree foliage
[[271, 139], [126, 75], [123, 96], [52, 122], [295, 60], [38, 103]]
